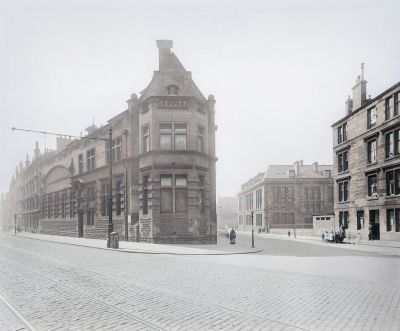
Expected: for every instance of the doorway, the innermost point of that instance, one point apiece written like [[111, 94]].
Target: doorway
[[80, 224], [374, 229]]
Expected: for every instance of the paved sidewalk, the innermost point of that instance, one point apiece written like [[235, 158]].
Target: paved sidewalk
[[132, 247], [315, 239]]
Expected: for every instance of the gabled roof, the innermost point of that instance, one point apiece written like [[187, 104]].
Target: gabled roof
[[171, 72]]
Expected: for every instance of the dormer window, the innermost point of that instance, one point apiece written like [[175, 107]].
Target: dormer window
[[172, 90]]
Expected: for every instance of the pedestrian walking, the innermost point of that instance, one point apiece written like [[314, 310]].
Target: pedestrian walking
[[288, 233]]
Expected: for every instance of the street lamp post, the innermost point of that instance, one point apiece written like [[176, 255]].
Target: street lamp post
[[252, 229], [110, 221]]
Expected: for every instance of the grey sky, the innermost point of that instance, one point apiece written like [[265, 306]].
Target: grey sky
[[280, 70]]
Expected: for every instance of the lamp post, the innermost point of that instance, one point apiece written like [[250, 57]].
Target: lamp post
[[110, 221], [15, 224], [252, 229]]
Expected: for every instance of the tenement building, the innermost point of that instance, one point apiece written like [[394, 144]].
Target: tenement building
[[367, 164], [286, 197], [163, 179]]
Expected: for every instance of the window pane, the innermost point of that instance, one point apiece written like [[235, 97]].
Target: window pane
[[180, 180], [165, 141], [180, 127], [165, 127], [166, 180], [180, 141]]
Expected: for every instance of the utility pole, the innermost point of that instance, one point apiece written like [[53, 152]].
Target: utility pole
[[110, 221], [126, 206], [252, 229]]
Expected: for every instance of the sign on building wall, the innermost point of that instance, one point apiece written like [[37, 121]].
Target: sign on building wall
[[135, 199]]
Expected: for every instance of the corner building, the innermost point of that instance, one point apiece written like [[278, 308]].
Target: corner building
[[366, 156], [163, 155]]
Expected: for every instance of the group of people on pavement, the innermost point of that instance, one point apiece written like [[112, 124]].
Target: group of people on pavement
[[334, 236]]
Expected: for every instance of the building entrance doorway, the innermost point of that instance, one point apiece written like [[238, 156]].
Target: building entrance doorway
[[80, 224], [374, 230]]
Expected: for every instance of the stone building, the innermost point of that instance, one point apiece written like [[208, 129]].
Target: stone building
[[163, 182], [286, 197], [367, 164]]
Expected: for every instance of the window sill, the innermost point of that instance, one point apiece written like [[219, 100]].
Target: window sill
[[394, 196], [372, 198], [343, 202], [343, 172], [392, 157], [371, 164]]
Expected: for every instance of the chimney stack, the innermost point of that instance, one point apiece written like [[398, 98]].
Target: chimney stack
[[164, 51], [360, 90], [315, 167], [349, 105]]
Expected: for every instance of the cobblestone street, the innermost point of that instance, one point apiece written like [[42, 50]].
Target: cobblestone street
[[62, 287]]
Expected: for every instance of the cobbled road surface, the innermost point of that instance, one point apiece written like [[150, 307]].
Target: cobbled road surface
[[51, 286]]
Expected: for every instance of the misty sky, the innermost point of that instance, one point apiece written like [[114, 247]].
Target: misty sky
[[280, 70]]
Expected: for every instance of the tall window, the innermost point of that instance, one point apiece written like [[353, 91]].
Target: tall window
[[173, 194], [80, 163], [90, 217], [116, 149], [200, 138], [63, 204], [105, 189], [372, 185], [145, 197], [56, 204], [392, 143], [145, 138], [50, 205], [371, 117], [393, 219], [202, 189], [388, 108], [396, 109], [258, 198], [343, 191], [282, 197], [343, 162], [249, 201], [393, 182], [312, 199], [342, 133], [258, 219], [372, 151], [90, 159], [344, 219], [166, 136], [173, 136], [180, 136]]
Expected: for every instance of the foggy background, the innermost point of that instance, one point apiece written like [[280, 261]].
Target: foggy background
[[280, 70]]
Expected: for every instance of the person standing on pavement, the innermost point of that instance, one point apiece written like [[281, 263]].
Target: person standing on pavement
[[232, 236], [288, 233]]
